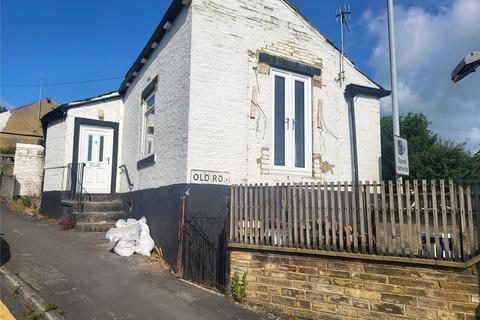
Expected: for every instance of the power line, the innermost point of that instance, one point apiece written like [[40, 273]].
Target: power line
[[57, 83]]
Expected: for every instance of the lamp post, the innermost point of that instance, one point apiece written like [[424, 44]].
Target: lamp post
[[393, 70]]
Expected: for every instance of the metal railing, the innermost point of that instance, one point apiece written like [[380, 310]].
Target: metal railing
[[76, 191]]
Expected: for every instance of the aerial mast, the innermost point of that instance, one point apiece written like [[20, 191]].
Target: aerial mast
[[343, 16]]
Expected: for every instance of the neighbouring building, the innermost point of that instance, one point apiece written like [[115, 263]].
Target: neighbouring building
[[22, 125]]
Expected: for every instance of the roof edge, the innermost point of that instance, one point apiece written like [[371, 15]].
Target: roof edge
[[330, 42], [60, 111], [172, 12]]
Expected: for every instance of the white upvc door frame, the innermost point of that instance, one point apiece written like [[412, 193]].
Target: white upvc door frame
[[290, 79]]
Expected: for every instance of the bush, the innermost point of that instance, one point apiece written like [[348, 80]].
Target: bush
[[239, 287], [7, 150]]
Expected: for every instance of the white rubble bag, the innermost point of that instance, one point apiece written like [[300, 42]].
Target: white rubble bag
[[129, 237], [145, 242]]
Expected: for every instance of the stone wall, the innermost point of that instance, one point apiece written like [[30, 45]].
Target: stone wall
[[321, 287], [28, 169]]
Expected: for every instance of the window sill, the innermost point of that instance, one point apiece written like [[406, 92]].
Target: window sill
[[146, 162], [290, 172]]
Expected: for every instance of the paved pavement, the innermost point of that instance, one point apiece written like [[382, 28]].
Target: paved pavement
[[76, 272]]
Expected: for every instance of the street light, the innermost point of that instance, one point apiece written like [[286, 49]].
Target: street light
[[466, 66]]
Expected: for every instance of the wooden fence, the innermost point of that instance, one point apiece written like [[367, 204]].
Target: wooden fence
[[434, 219]]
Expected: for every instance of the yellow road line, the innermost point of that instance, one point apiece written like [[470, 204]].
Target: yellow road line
[[4, 313]]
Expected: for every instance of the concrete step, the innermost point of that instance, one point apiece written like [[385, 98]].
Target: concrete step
[[103, 206], [112, 216], [94, 226]]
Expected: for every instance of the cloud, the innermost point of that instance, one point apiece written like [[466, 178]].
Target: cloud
[[429, 44]]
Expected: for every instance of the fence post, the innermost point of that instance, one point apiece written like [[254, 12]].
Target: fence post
[[470, 222], [428, 248], [410, 242], [462, 224], [181, 227], [446, 243], [232, 213]]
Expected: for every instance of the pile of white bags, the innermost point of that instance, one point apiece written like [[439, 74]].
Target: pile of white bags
[[129, 237]]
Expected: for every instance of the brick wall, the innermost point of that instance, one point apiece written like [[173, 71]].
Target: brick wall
[[28, 169], [333, 288]]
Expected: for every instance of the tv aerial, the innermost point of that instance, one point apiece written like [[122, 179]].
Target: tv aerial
[[343, 17]]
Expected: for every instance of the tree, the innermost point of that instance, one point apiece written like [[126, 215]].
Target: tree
[[429, 156], [3, 109]]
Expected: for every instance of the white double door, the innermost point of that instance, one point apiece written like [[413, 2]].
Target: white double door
[[96, 152]]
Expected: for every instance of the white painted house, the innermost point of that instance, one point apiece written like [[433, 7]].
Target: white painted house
[[225, 91]]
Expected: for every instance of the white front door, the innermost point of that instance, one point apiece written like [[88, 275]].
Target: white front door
[[96, 151]]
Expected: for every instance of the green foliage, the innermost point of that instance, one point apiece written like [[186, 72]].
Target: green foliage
[[15, 292], [50, 307], [238, 287], [27, 201], [429, 156], [3, 109], [7, 150], [40, 315]]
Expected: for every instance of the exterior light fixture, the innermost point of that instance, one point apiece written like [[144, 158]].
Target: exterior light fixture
[[466, 66]]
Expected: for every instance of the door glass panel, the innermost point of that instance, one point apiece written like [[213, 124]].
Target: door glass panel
[[90, 147], [299, 124], [279, 131], [100, 152]]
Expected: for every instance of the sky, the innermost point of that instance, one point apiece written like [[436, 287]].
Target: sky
[[59, 42]]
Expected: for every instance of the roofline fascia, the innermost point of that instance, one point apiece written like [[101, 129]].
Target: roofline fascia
[[61, 110], [352, 90]]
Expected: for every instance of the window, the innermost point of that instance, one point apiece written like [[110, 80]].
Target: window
[[90, 147], [148, 133], [100, 152], [292, 130]]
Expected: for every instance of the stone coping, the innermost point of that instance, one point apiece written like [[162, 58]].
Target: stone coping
[[358, 256]]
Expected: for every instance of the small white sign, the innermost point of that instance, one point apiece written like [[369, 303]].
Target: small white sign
[[401, 157], [209, 177]]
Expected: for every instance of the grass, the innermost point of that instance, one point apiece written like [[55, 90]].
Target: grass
[[40, 315], [15, 292]]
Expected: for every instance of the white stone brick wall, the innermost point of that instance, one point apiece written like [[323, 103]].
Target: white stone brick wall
[[28, 169], [55, 156], [226, 37], [171, 63], [60, 135]]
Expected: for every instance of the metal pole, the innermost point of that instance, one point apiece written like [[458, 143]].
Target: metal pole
[[393, 70], [342, 56]]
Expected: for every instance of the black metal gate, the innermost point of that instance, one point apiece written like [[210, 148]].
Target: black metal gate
[[205, 250], [203, 217]]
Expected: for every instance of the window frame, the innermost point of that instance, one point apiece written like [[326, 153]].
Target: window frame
[[145, 136], [290, 78]]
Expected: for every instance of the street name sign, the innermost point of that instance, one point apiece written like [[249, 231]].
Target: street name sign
[[401, 157]]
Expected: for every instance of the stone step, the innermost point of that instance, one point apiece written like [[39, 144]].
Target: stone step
[[103, 206], [94, 226], [112, 216], [96, 197]]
